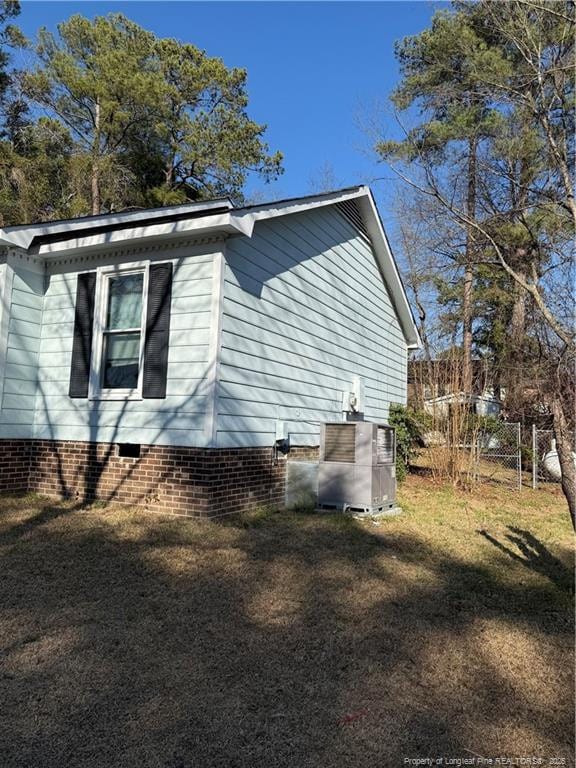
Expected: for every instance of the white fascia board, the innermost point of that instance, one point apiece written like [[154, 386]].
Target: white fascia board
[[271, 210], [22, 237], [15, 239], [199, 227], [389, 268]]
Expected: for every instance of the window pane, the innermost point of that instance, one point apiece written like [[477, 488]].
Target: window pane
[[121, 353], [124, 302]]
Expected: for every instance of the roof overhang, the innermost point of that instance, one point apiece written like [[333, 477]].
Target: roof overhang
[[203, 226], [197, 220], [70, 230]]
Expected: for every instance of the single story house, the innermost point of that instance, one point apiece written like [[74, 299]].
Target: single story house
[[162, 357]]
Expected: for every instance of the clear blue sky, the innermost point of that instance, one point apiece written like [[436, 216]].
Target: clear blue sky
[[315, 71]]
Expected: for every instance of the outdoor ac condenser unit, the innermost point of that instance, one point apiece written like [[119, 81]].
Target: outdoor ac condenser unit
[[357, 471]]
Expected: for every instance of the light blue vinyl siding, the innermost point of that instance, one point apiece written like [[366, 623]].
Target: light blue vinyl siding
[[22, 350], [305, 310], [35, 401]]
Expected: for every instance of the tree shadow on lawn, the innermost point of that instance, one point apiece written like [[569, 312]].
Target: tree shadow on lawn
[[533, 554], [46, 510], [303, 641]]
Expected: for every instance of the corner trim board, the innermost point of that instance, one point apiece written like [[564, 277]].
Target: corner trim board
[[213, 371], [5, 305]]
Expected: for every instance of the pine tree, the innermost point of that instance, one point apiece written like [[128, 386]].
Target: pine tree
[[514, 62], [156, 121], [456, 118]]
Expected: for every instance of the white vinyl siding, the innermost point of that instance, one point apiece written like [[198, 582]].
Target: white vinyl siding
[[305, 310]]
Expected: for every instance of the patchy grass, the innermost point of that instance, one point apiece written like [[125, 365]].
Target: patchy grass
[[131, 640]]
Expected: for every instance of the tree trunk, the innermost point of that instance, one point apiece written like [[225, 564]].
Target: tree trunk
[[467, 308], [169, 174], [565, 449], [95, 188], [515, 388], [95, 171], [170, 168]]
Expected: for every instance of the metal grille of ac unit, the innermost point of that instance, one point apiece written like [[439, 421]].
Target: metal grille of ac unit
[[340, 443], [385, 446]]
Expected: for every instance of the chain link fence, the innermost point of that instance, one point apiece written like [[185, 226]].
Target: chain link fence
[[498, 456], [502, 453]]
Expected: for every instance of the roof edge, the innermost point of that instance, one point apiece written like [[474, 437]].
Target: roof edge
[[91, 232], [23, 236]]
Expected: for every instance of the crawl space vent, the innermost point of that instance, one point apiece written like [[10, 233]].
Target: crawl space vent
[[129, 450]]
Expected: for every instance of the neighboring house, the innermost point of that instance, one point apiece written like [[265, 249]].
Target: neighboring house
[[435, 385], [481, 405], [157, 356], [433, 378]]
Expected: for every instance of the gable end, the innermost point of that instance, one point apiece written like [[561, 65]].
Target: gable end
[[349, 209]]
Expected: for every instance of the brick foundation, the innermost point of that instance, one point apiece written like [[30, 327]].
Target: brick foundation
[[185, 481], [14, 465]]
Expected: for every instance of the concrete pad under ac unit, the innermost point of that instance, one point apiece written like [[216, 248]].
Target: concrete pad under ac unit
[[301, 484]]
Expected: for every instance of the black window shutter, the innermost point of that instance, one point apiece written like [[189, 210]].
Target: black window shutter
[[82, 345], [157, 330]]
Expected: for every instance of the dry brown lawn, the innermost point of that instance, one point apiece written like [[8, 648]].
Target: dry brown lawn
[[129, 640]]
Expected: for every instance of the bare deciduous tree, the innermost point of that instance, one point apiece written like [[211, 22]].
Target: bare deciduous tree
[[521, 60]]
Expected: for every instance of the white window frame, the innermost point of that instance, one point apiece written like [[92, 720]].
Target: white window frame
[[96, 390]]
